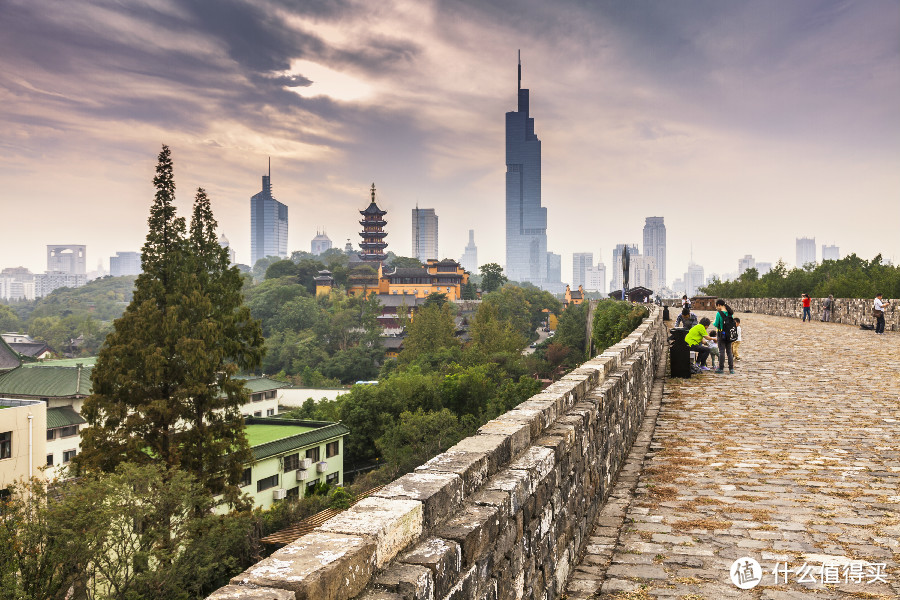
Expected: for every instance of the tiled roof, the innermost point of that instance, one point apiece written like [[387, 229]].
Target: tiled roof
[[325, 431], [262, 384], [9, 359], [63, 416], [46, 382], [392, 300], [410, 272], [392, 343], [30, 348]]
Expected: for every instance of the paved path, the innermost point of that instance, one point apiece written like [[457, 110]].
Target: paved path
[[792, 461]]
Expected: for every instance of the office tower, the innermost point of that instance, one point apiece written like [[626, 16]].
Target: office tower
[[616, 283], [373, 232], [469, 260], [581, 262], [320, 243], [554, 272], [831, 252], [679, 288], [748, 262], [643, 272], [70, 260], [125, 263], [806, 251], [763, 267], [655, 246], [424, 234], [595, 278], [268, 223], [693, 279], [526, 219], [232, 255]]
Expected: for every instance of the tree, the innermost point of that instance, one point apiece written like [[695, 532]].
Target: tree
[[432, 329], [164, 386], [492, 277], [405, 262], [9, 320]]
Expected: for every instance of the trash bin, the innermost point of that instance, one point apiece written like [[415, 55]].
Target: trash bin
[[679, 353], [666, 313]]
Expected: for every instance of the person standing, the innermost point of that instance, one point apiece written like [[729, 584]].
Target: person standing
[[805, 301], [724, 324], [737, 343], [829, 306], [878, 312]]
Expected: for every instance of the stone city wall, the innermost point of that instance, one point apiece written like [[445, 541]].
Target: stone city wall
[[852, 311], [504, 514]]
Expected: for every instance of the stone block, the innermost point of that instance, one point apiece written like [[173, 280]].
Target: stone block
[[380, 595], [475, 528], [519, 433], [517, 483], [496, 448], [538, 461], [241, 592], [392, 523], [318, 566], [411, 582], [472, 467], [440, 493], [442, 557]]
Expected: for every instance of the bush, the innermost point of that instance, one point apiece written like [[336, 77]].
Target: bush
[[613, 320]]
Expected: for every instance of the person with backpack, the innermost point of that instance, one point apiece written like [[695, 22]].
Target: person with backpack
[[727, 334], [828, 307]]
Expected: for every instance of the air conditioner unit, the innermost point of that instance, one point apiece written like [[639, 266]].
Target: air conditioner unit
[[279, 494], [302, 474], [305, 463], [321, 467]]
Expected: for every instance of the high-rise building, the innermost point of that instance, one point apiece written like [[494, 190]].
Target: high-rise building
[[268, 223], [806, 251], [595, 278], [424, 234], [320, 243], [71, 260], [16, 283], [526, 219], [616, 283], [748, 262], [373, 232], [655, 246], [232, 255], [581, 262], [554, 272], [831, 252], [469, 260], [643, 272], [125, 263], [693, 279], [763, 267]]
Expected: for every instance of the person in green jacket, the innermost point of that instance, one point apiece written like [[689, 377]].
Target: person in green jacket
[[693, 338], [724, 311]]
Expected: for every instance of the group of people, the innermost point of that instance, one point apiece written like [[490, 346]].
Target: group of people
[[878, 307], [720, 342]]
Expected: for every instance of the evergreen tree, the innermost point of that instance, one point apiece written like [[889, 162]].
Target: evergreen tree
[[163, 387]]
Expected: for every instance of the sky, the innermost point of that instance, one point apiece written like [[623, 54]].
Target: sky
[[744, 124]]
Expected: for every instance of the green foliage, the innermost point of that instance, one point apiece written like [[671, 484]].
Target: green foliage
[[613, 320], [849, 277], [404, 262], [417, 436], [571, 331], [523, 307], [491, 333], [492, 277], [469, 291], [431, 330]]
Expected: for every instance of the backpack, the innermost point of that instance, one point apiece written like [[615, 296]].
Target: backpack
[[729, 327]]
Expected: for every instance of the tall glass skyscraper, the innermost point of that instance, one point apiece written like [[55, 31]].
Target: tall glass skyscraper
[[655, 246], [424, 234], [268, 223], [526, 219]]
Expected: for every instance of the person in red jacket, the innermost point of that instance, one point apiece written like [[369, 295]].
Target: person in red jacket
[[804, 298]]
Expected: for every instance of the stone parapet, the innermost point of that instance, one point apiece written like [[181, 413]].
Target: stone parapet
[[851, 311], [504, 514]]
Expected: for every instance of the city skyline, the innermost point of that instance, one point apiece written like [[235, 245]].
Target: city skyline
[[775, 113]]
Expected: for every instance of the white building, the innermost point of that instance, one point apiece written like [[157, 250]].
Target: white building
[[748, 262], [763, 267], [693, 279], [581, 262], [831, 252], [595, 278], [469, 260], [806, 251], [129, 263], [320, 243], [70, 259]]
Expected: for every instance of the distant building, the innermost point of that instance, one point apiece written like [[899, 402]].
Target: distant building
[[573, 297], [442, 277], [553, 282], [320, 243], [831, 252], [763, 267], [806, 251], [748, 262], [655, 246], [526, 219], [616, 268], [44, 283], [595, 278], [126, 263], [693, 279], [581, 262], [644, 272], [469, 259], [16, 283], [268, 223], [23, 424], [71, 260], [424, 234], [679, 288]]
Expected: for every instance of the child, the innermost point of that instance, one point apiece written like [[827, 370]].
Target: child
[[713, 349], [737, 343]]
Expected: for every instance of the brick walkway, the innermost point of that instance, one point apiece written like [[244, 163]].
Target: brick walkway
[[793, 460]]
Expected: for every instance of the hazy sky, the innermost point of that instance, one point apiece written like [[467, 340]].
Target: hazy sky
[[744, 124]]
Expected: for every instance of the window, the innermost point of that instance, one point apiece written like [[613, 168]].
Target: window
[[268, 482], [270, 412], [68, 455], [271, 393], [256, 397], [49, 460], [313, 454], [257, 413], [291, 462], [332, 448], [333, 478], [246, 477], [311, 485], [294, 492], [68, 431], [6, 444], [51, 434]]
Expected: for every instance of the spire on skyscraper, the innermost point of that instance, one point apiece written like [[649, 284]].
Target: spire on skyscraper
[[520, 70]]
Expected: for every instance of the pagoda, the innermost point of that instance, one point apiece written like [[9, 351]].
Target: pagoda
[[373, 232]]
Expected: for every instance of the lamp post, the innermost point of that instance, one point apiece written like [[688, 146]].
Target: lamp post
[[626, 259]]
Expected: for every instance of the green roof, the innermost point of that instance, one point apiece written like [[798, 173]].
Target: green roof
[[262, 384], [63, 416], [262, 434], [316, 433], [41, 381], [88, 361]]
